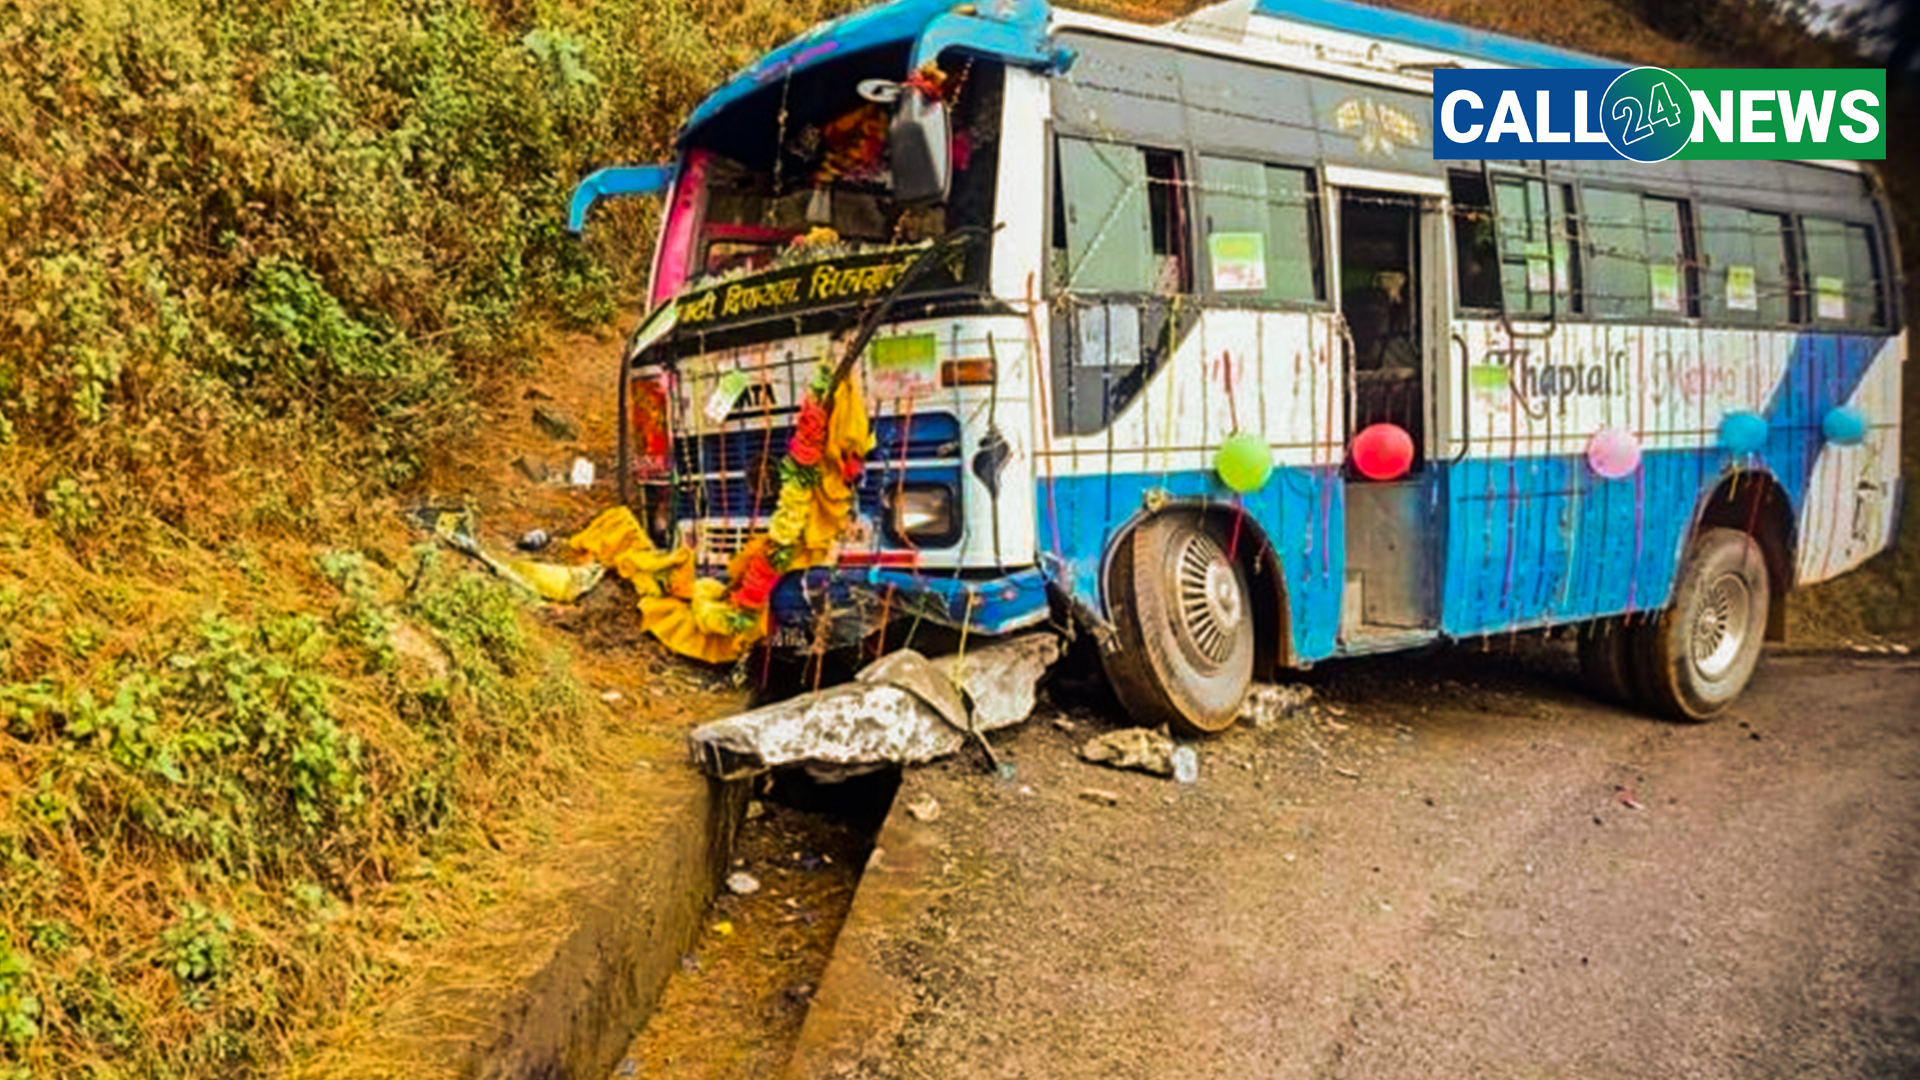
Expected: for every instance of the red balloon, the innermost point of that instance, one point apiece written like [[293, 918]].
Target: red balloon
[[1383, 452]]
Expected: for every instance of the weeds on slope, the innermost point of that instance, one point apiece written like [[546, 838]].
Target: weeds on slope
[[260, 261]]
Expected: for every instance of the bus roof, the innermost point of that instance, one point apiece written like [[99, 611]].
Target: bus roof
[[1011, 30], [1368, 20]]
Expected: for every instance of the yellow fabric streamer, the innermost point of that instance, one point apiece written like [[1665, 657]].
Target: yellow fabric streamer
[[849, 437], [695, 616]]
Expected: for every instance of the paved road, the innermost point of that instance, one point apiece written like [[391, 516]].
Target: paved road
[[1459, 867]]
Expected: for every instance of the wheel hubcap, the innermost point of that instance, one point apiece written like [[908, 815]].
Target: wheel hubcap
[[1720, 625], [1209, 597]]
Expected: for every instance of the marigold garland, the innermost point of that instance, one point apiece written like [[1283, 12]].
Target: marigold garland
[[717, 621]]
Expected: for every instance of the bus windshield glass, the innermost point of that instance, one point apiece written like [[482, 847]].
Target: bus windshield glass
[[797, 174]]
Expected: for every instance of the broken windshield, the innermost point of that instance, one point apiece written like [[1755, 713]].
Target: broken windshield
[[797, 174]]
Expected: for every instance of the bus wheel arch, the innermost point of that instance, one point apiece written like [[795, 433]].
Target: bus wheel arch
[[1195, 598], [1753, 502]]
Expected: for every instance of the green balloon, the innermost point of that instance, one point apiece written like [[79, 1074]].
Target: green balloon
[[1244, 462]]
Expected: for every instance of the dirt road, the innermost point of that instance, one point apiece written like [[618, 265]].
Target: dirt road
[[1460, 866]]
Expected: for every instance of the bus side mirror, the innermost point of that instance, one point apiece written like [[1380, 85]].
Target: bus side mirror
[[919, 146]]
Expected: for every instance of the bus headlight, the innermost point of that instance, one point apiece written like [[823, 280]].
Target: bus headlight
[[924, 514]]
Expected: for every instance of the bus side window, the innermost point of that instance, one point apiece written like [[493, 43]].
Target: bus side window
[[1623, 271], [1120, 223], [1844, 274], [1670, 261], [1262, 229], [1529, 263], [1476, 260], [1744, 266]]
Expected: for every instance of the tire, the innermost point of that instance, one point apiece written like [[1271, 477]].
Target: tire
[[1697, 655], [1184, 621], [1607, 660]]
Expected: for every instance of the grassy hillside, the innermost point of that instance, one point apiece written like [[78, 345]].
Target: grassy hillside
[[263, 264]]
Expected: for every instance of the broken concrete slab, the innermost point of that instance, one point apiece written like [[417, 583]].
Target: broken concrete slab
[[902, 709], [1002, 678], [1131, 748]]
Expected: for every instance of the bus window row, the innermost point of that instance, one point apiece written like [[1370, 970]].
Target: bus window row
[[1138, 220], [1537, 250]]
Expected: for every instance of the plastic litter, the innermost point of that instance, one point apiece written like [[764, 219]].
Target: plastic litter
[[741, 883], [1186, 764]]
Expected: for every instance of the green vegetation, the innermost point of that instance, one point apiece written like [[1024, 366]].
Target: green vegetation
[[262, 264]]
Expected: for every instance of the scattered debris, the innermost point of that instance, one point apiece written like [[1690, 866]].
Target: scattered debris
[[756, 809], [1099, 795], [610, 696], [1065, 724], [1348, 773], [555, 424], [925, 808], [1186, 764], [741, 883], [533, 468], [582, 475], [1267, 705], [1131, 748], [1333, 725], [903, 708], [534, 540], [549, 581], [1625, 796]]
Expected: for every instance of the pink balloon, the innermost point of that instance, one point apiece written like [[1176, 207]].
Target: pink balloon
[[1383, 452], [1613, 453]]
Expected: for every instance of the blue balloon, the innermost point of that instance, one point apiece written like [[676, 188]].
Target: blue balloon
[[1743, 432], [1845, 425]]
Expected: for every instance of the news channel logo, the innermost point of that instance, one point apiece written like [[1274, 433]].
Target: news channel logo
[[1650, 114]]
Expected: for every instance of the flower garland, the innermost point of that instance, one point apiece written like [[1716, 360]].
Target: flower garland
[[717, 621]]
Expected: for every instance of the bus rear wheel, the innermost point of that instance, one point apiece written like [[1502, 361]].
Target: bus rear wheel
[[1698, 654], [1607, 659], [1184, 621]]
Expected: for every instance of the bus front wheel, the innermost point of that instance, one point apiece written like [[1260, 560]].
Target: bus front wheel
[[1184, 621], [1699, 653]]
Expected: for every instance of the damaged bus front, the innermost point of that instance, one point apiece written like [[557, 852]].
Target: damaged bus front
[[833, 384]]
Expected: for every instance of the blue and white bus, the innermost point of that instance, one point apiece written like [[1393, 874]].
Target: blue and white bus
[[1178, 335]]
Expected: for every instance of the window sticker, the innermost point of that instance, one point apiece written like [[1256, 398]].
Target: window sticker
[[1665, 282], [903, 366], [728, 391], [1741, 293], [1539, 276], [1239, 261], [1832, 292], [1109, 336]]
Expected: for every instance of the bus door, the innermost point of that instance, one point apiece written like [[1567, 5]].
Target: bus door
[[1393, 306]]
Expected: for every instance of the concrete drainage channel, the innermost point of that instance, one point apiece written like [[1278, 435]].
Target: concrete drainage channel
[[736, 1002], [669, 972], [661, 976]]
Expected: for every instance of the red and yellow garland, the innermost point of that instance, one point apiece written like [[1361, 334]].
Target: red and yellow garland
[[717, 621]]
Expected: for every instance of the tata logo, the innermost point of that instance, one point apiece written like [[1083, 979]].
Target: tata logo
[[756, 400]]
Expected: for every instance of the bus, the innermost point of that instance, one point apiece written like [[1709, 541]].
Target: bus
[[1178, 337]]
